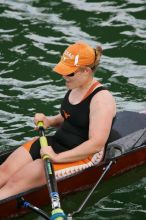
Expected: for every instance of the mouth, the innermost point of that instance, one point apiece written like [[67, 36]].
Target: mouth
[[67, 83]]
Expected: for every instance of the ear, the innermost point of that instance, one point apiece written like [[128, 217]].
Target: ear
[[88, 70]]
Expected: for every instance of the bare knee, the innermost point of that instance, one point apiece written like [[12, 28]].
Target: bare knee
[[4, 174], [12, 182], [10, 188], [4, 170], [19, 183]]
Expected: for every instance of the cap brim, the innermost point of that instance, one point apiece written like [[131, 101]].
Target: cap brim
[[63, 69]]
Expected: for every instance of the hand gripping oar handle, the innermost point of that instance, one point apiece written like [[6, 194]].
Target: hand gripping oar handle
[[57, 212]]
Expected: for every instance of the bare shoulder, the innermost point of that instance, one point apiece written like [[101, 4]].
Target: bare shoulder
[[103, 101]]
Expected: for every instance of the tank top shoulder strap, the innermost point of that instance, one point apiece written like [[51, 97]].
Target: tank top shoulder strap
[[98, 89], [92, 91]]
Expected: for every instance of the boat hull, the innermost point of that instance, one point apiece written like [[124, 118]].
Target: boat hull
[[39, 197]]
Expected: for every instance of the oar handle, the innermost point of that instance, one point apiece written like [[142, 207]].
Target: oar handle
[[41, 130], [40, 124]]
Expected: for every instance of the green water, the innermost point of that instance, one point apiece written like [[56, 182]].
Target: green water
[[33, 34]]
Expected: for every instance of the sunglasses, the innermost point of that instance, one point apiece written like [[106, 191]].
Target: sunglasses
[[71, 74]]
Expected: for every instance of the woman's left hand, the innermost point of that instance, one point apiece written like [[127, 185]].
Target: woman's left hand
[[48, 151]]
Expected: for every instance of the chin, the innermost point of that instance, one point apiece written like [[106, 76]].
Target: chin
[[68, 85]]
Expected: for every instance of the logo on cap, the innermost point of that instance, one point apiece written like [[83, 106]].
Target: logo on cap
[[67, 56]]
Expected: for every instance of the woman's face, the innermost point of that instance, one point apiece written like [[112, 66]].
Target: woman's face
[[77, 79]]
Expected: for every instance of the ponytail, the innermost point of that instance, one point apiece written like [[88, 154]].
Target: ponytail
[[98, 52]]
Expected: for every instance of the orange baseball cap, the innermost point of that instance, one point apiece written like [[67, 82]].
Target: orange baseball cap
[[76, 55]]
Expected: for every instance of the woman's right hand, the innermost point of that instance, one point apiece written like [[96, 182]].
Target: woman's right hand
[[41, 117]]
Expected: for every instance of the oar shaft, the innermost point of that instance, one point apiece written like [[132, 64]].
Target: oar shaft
[[51, 183], [57, 212], [49, 171]]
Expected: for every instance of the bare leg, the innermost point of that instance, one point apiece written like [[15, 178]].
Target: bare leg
[[30, 176], [14, 162]]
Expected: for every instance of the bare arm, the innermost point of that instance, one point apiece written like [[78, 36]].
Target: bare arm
[[102, 111]]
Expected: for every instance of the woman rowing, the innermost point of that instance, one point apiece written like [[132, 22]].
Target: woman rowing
[[84, 123]]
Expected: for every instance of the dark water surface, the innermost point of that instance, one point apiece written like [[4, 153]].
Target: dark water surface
[[33, 34]]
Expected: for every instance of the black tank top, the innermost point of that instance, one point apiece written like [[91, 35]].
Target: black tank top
[[75, 127]]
